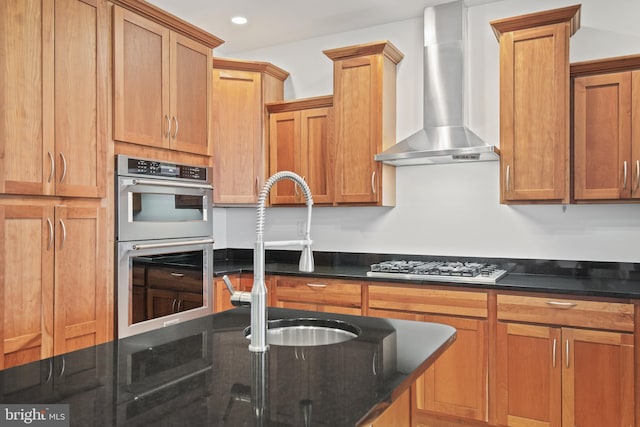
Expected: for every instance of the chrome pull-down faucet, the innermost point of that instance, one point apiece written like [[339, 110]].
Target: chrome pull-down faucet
[[258, 296]]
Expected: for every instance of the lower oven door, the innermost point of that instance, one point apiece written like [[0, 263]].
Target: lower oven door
[[163, 282]]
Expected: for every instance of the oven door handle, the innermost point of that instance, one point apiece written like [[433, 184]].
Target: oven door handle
[[160, 183], [137, 247]]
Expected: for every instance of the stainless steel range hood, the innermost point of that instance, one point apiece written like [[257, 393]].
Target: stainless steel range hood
[[444, 138]]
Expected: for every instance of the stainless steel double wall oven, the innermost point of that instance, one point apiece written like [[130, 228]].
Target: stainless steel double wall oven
[[164, 237]]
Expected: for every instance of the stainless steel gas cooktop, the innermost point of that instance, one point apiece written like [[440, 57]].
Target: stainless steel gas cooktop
[[438, 271]]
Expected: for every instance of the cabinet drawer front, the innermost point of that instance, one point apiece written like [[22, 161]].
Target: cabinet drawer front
[[569, 312], [320, 291], [178, 279], [437, 301]]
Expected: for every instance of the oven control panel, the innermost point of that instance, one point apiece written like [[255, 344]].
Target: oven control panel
[[137, 166]]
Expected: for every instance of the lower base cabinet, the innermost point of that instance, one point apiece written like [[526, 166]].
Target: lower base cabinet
[[326, 295]]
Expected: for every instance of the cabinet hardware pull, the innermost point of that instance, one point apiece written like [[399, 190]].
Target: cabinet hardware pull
[[64, 365], [561, 304], [624, 181], [64, 167], [168, 132], [50, 234], [50, 371], [53, 166], [64, 233], [373, 182], [553, 356], [173, 305], [179, 303], [373, 364], [316, 285], [255, 188], [566, 363], [508, 178], [177, 274], [176, 122], [637, 174]]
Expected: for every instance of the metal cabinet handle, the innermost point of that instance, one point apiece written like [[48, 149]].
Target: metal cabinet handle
[[566, 362], [553, 356], [256, 190], [177, 274], [168, 132], [173, 305], [179, 303], [373, 182], [373, 364], [50, 234], [316, 285], [176, 122], [64, 365], [50, 374], [561, 304], [624, 180], [52, 162], [637, 174], [64, 233], [508, 178], [64, 166]]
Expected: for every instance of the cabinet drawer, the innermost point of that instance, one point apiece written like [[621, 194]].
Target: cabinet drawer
[[177, 279], [568, 312], [319, 291], [426, 300]]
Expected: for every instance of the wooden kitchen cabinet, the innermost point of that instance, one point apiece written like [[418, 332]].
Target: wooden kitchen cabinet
[[550, 373], [535, 105], [606, 95], [364, 85], [161, 79], [53, 285], [456, 384], [54, 104], [301, 141], [240, 152], [317, 294]]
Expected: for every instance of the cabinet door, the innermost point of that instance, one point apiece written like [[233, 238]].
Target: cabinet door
[[26, 110], [602, 137], [456, 384], [358, 128], [189, 301], [528, 375], [316, 137], [190, 93], [26, 283], [140, 80], [534, 114], [285, 155], [597, 378], [81, 52], [237, 136], [80, 312], [161, 302], [635, 132]]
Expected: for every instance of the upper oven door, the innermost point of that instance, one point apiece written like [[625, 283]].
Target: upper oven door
[[151, 208]]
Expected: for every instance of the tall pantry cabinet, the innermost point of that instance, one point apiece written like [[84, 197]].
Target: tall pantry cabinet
[[53, 279]]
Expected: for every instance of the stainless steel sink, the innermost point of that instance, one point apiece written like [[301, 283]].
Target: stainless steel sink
[[300, 332]]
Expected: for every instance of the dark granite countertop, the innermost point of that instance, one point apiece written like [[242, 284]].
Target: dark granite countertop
[[201, 372], [594, 279]]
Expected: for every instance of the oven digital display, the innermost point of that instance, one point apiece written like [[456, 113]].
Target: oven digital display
[[173, 170]]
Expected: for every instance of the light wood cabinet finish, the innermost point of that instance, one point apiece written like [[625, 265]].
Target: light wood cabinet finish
[[456, 384], [317, 294], [555, 374], [364, 103], [240, 152], [301, 141], [53, 284], [397, 414], [162, 85], [606, 134], [534, 105], [54, 108]]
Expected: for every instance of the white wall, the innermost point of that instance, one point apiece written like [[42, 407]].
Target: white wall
[[454, 209]]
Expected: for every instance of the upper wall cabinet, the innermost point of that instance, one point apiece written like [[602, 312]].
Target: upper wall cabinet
[[364, 84], [534, 105], [53, 113], [161, 79], [240, 153], [606, 129]]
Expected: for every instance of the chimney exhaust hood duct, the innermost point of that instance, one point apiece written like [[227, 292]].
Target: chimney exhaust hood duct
[[444, 138]]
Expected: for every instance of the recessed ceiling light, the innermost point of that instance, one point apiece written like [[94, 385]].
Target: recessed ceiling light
[[240, 20]]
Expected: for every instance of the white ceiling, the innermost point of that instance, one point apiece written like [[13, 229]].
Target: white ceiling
[[273, 22]]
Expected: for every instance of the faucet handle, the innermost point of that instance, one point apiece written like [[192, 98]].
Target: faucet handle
[[238, 298]]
